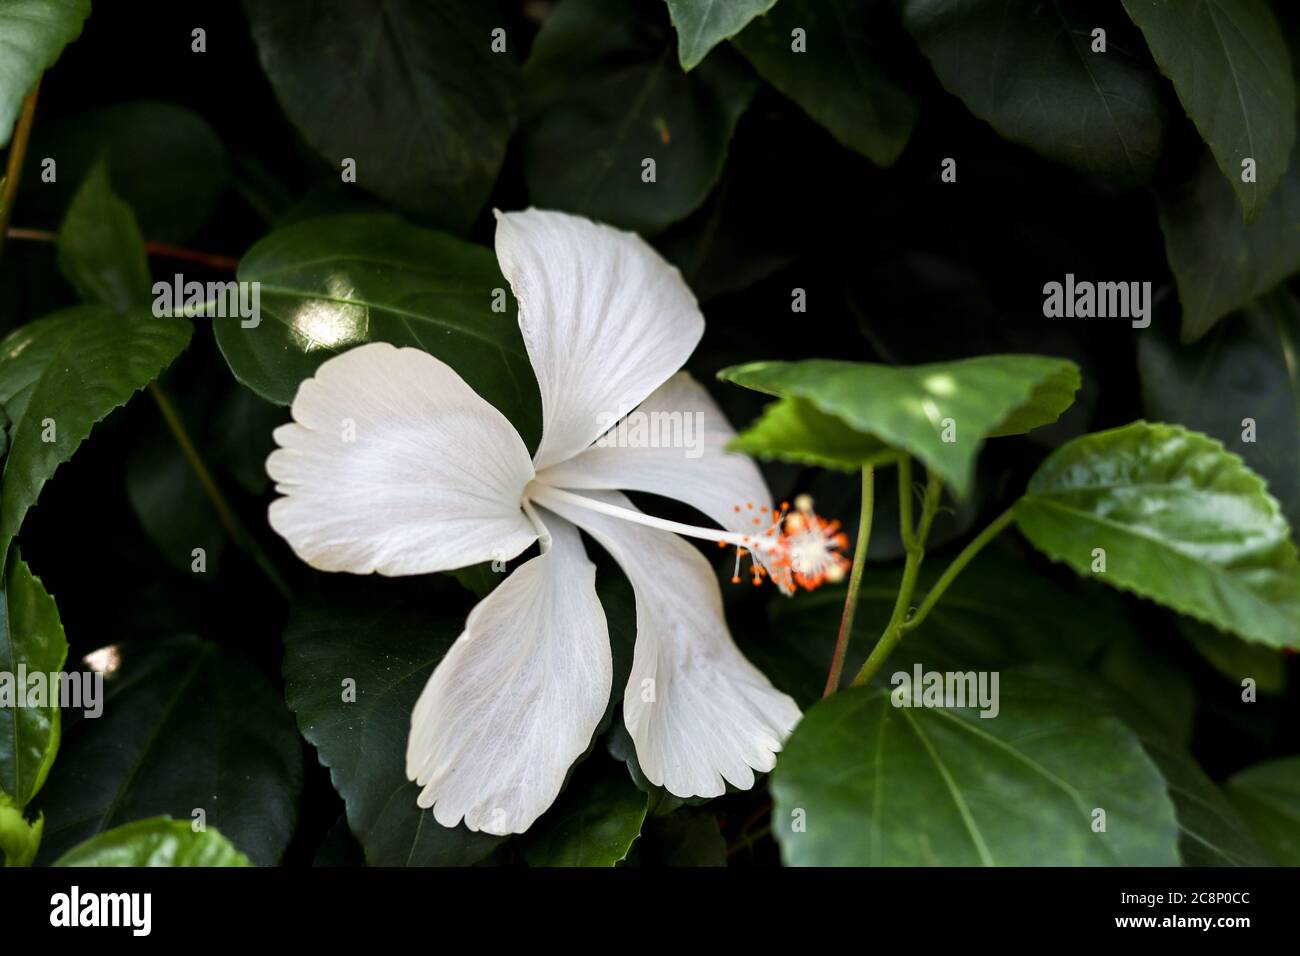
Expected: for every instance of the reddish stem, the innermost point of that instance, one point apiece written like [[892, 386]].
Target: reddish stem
[[160, 249]]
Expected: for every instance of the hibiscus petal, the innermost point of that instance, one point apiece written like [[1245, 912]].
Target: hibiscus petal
[[517, 698], [393, 464], [699, 712], [605, 319], [706, 476]]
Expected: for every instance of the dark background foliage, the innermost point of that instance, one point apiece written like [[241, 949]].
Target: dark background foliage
[[897, 265]]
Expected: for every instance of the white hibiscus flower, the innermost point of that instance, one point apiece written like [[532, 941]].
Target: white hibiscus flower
[[435, 479]]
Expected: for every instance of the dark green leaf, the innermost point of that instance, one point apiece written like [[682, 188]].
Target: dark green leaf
[[478, 579], [31, 636], [330, 284], [1211, 833], [864, 782], [1228, 61], [184, 727], [1027, 68], [410, 90], [1142, 667], [1267, 796], [836, 80], [164, 161], [172, 505], [33, 35], [1240, 384], [101, 250], [1180, 520], [59, 376], [604, 95], [240, 436], [158, 841], [1219, 262], [593, 823], [703, 24], [1235, 659], [939, 413], [732, 241], [684, 838], [388, 646]]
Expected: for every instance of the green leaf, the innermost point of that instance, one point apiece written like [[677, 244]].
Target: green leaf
[[1229, 64], [1027, 68], [792, 429], [59, 376], [1145, 671], [703, 24], [593, 823], [1181, 521], [19, 839], [478, 579], [33, 33], [684, 838], [1267, 796], [171, 504], [1244, 369], [907, 409], [101, 250], [185, 726], [158, 841], [836, 80], [239, 436], [1235, 659], [164, 161], [997, 615], [387, 643], [412, 91], [330, 284], [863, 782], [603, 96], [1210, 831], [31, 637], [1219, 262]]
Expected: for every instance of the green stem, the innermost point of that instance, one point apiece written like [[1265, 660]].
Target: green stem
[[899, 623], [959, 563], [894, 629], [914, 542], [929, 507], [14, 163], [229, 520], [855, 582], [905, 526]]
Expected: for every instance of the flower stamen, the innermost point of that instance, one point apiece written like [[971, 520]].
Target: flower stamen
[[798, 549], [813, 545]]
